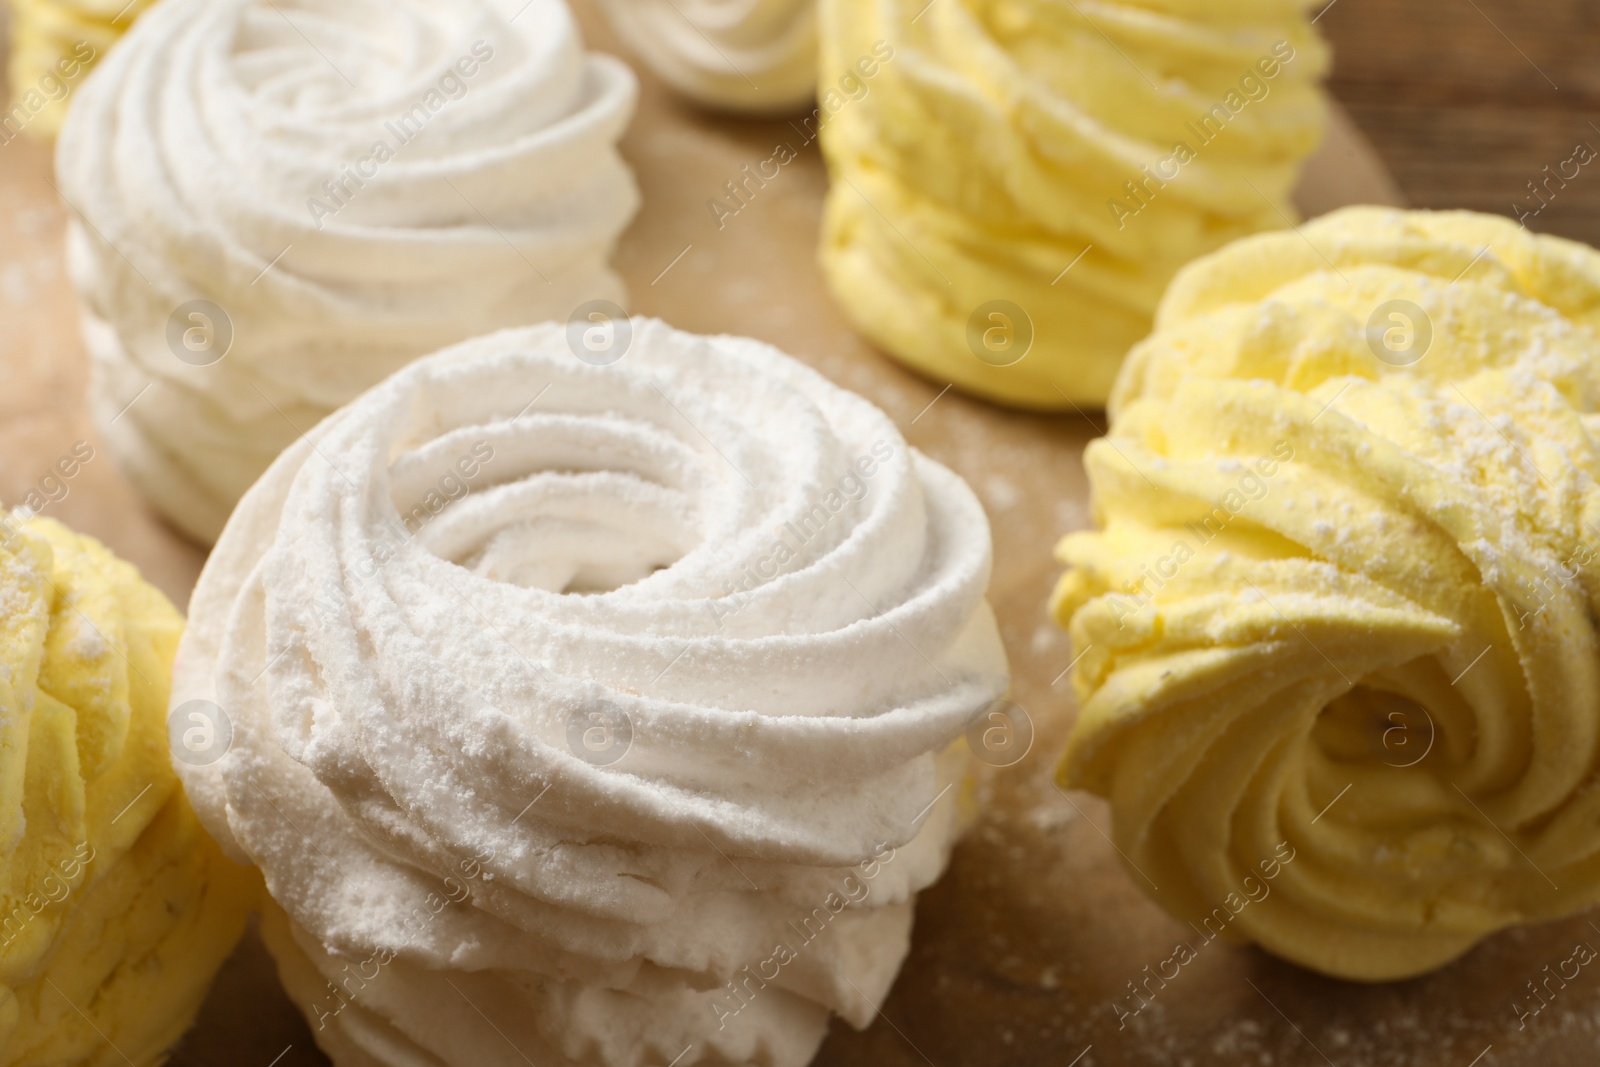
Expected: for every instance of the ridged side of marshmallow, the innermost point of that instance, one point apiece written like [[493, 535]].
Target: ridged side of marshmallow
[[112, 896], [416, 615], [354, 184], [1337, 637], [755, 56], [1064, 158]]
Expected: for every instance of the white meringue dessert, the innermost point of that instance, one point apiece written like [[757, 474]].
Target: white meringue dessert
[[278, 203], [754, 56], [594, 714]]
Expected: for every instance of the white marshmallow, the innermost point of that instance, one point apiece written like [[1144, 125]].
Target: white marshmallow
[[354, 184], [650, 667], [756, 56]]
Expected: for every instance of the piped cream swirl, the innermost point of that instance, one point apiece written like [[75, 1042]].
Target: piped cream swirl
[[1344, 597], [351, 184], [663, 650], [1063, 158]]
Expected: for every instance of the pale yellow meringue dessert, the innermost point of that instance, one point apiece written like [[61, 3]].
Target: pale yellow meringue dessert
[[116, 909], [54, 43], [1338, 621], [1015, 187]]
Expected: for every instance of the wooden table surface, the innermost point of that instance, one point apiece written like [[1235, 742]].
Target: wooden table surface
[[1468, 101], [1022, 949]]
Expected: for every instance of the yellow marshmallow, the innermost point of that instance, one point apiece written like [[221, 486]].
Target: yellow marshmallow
[[1000, 139], [1341, 606], [54, 43], [116, 909]]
